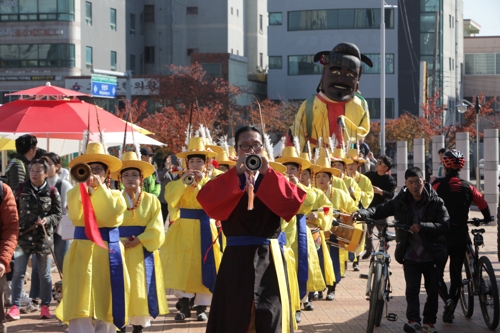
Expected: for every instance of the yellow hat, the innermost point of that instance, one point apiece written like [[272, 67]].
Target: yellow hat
[[290, 156], [325, 165], [353, 155], [217, 149], [196, 147], [278, 167], [223, 159], [130, 160], [339, 155], [95, 153], [314, 167]]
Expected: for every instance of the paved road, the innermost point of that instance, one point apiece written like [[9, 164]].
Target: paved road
[[347, 313]]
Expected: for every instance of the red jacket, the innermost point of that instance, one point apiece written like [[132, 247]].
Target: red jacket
[[9, 227]]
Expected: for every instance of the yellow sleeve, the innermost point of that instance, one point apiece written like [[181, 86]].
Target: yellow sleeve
[[324, 221], [174, 191], [356, 119], [339, 184], [154, 234], [298, 128], [306, 206], [348, 204], [75, 209], [109, 206], [366, 191], [355, 191]]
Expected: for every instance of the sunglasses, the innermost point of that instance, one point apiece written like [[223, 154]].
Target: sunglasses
[[381, 163]]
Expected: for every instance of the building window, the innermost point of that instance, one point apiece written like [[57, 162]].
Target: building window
[[149, 13], [131, 65], [112, 19], [261, 24], [212, 70], [374, 108], [261, 60], [37, 55], [237, 12], [237, 52], [113, 60], [149, 55], [191, 51], [375, 58], [303, 65], [275, 18], [275, 62], [482, 64], [37, 10], [88, 13], [132, 23], [328, 19], [231, 10], [88, 56], [192, 10]]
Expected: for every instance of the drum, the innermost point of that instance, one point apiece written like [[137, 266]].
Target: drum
[[350, 236]]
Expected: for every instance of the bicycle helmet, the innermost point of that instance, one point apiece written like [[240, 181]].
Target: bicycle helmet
[[453, 159]]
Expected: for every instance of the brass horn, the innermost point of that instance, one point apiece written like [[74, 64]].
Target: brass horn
[[188, 180], [81, 172], [253, 162]]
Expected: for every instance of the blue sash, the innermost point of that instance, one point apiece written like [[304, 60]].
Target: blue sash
[[253, 240], [208, 271], [149, 266], [334, 254], [303, 269], [112, 236]]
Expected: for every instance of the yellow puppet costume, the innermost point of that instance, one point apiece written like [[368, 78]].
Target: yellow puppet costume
[[143, 220], [88, 273], [312, 121], [189, 268], [363, 182]]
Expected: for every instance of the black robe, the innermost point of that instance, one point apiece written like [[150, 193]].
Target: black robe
[[247, 278]]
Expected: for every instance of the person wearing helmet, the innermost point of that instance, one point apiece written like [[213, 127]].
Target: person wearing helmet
[[457, 194]]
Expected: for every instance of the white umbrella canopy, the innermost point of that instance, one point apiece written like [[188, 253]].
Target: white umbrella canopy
[[65, 146]]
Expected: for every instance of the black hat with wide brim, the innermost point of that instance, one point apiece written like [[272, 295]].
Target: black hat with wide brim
[[344, 48]]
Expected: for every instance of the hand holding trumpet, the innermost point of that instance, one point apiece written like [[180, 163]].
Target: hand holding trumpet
[[241, 165], [191, 175]]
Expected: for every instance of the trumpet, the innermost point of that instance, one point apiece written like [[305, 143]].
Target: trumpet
[[189, 180], [253, 162], [81, 172]]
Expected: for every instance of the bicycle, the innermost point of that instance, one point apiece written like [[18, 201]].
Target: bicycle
[[378, 286], [479, 280]]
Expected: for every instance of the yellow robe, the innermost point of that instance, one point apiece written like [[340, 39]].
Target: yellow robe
[[340, 184], [315, 280], [356, 118], [147, 214], [181, 255], [366, 187], [341, 201], [356, 190], [86, 287]]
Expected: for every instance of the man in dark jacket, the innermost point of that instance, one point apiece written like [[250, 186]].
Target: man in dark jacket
[[423, 250], [384, 186], [25, 151]]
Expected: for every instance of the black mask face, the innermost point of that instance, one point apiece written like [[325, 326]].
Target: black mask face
[[341, 77]]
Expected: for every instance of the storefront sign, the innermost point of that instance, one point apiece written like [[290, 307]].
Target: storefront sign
[[140, 86], [28, 78], [11, 32]]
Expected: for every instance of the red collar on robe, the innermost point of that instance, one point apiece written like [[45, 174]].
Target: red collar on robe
[[335, 109]]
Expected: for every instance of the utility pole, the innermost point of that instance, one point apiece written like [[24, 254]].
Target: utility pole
[[436, 47]]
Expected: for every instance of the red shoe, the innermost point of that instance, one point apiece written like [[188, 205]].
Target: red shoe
[[45, 312], [13, 313]]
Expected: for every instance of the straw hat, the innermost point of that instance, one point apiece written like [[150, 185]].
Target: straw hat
[[223, 159], [196, 147], [278, 167], [95, 153], [325, 165], [217, 149], [339, 155], [130, 160], [353, 155], [232, 151], [314, 167], [290, 156]]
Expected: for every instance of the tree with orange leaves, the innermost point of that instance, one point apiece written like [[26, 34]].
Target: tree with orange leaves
[[276, 116]]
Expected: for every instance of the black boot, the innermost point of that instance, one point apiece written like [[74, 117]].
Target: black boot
[[185, 312], [330, 293], [122, 330], [200, 313], [137, 329]]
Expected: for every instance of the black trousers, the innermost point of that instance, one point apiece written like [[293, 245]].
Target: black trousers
[[456, 244], [164, 211], [413, 275]]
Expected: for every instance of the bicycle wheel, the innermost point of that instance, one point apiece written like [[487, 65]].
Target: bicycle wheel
[[488, 293], [381, 301], [374, 311], [467, 291]]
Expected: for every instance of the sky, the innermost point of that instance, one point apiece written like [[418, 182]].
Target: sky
[[485, 13]]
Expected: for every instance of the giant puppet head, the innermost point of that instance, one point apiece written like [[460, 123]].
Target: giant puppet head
[[341, 71]]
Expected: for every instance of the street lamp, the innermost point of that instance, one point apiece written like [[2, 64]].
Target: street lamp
[[462, 108]]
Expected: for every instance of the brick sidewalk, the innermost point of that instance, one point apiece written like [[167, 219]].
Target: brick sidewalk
[[348, 313]]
